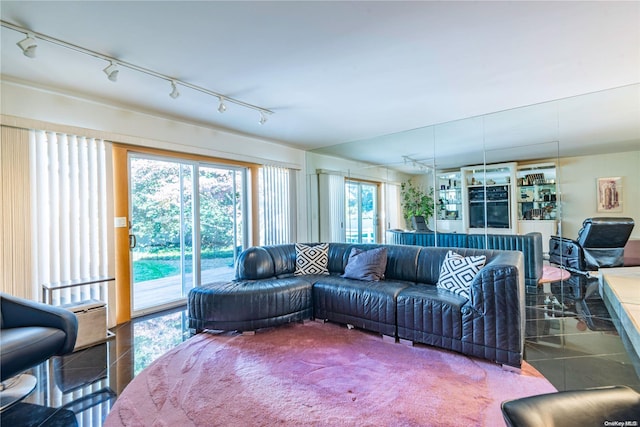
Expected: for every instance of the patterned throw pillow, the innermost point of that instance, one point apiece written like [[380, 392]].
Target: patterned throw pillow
[[312, 259], [457, 272], [366, 265]]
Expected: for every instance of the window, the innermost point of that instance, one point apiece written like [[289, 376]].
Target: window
[[361, 213]]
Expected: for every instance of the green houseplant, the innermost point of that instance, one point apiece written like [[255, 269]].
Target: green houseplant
[[415, 202]]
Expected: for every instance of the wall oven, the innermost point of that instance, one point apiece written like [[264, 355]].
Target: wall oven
[[492, 201]]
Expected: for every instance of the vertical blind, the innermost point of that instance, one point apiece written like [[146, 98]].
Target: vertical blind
[[331, 193], [393, 212], [15, 214], [69, 205], [277, 205]]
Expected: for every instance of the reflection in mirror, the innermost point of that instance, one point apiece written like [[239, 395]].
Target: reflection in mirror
[[416, 189], [588, 137], [463, 137], [532, 189], [352, 201], [525, 143]]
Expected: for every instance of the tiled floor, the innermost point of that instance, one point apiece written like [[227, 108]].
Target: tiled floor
[[83, 386]]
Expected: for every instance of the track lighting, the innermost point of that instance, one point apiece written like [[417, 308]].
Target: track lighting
[[112, 71], [421, 165], [174, 90], [28, 46], [222, 107]]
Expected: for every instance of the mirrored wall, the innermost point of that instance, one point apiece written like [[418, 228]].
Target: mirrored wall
[[508, 172]]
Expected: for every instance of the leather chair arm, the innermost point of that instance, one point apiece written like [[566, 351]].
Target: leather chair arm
[[497, 304], [492, 280], [17, 312], [575, 408]]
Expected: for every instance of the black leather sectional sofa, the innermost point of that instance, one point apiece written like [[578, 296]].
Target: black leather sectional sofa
[[405, 305], [529, 244]]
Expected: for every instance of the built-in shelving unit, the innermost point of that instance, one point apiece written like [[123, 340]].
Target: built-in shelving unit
[[488, 201], [537, 201], [449, 202], [537, 198], [504, 198]]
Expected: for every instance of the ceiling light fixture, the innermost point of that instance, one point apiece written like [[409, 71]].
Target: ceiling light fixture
[[28, 46], [222, 107], [174, 90], [420, 165], [112, 71]]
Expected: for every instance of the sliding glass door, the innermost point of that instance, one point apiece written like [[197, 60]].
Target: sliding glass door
[[361, 212], [221, 202], [186, 227]]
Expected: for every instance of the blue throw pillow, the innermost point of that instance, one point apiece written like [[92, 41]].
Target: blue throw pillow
[[366, 265]]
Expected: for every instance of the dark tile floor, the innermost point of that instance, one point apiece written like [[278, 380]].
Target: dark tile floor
[[570, 348]]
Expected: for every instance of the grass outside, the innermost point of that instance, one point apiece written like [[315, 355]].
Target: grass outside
[[149, 269]]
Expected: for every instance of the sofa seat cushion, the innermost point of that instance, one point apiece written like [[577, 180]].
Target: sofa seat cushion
[[32, 343], [249, 304], [431, 315], [367, 305]]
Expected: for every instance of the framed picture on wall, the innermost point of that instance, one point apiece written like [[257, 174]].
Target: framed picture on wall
[[610, 194]]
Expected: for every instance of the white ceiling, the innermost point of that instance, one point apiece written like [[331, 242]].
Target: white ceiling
[[339, 72]]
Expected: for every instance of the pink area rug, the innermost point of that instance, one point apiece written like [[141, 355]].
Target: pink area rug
[[316, 374]]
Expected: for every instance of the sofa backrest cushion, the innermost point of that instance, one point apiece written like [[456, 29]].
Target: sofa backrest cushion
[[369, 265], [338, 256], [458, 272], [416, 264], [312, 259], [401, 259], [402, 263], [284, 259], [529, 244], [254, 263], [430, 261]]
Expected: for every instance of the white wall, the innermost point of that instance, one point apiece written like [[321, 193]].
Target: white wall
[[119, 124], [577, 178]]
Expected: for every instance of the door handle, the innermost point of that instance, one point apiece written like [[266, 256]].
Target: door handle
[[132, 241]]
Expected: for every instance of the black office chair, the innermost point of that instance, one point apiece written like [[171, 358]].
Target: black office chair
[[30, 333], [600, 244], [419, 224]]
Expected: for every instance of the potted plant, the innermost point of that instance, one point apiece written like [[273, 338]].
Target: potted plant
[[415, 202]]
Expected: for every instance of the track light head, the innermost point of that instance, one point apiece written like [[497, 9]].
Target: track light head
[[174, 90], [28, 46], [112, 72], [222, 107]]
